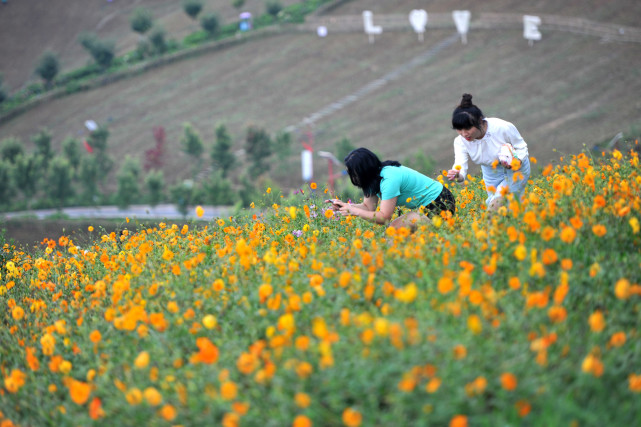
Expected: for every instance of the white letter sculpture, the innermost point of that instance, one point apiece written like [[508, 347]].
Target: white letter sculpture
[[531, 28], [370, 29], [462, 21], [418, 19], [307, 165]]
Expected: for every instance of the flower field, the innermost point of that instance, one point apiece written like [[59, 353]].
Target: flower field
[[291, 316]]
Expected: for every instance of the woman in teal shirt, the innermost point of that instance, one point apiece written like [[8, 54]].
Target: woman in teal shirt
[[394, 185]]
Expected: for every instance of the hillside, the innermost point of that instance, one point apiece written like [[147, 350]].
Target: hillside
[[566, 92]]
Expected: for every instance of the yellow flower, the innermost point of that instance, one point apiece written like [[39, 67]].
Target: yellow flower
[[152, 396], [200, 211], [209, 321], [597, 321], [520, 252], [269, 190]]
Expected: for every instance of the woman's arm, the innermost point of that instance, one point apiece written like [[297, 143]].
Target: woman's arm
[[461, 158], [368, 210]]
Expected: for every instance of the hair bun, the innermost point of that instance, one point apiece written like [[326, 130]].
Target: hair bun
[[466, 101]]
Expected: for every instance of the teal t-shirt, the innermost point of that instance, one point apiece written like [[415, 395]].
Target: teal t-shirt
[[406, 183]]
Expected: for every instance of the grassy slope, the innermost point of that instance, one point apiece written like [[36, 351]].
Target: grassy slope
[[564, 92]]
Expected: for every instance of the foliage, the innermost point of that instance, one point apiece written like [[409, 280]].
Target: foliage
[[89, 174], [210, 23], [343, 148], [27, 171], [71, 150], [183, 195], [273, 7], [192, 8], [102, 51], [141, 20], [218, 190], [3, 91], [48, 67], [42, 141], [7, 188], [283, 144], [10, 148], [238, 4], [192, 144], [221, 155], [128, 186], [155, 185], [158, 40], [59, 181], [97, 140], [290, 315], [154, 157], [258, 146], [421, 162]]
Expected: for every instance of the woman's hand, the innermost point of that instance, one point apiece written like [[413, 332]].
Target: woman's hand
[[336, 204], [454, 175]]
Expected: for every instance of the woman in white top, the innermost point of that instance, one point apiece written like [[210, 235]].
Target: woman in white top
[[494, 144]]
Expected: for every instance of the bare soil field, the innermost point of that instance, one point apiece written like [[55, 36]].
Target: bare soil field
[[565, 93]]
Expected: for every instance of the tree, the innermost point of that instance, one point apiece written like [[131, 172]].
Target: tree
[[210, 23], [59, 184], [128, 188], [48, 67], [6, 184], [258, 148], [89, 174], [71, 150], [273, 7], [343, 148], [192, 8], [283, 144], [218, 190], [221, 155], [158, 41], [102, 51], [141, 20], [26, 176], [247, 192], [421, 162], [192, 144], [155, 184], [154, 157], [11, 148], [3, 92], [98, 141], [42, 140], [238, 3]]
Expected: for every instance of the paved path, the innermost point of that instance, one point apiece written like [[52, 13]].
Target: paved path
[[165, 211]]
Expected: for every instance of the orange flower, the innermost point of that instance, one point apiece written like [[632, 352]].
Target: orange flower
[[508, 381], [599, 230], [617, 339], [352, 418], [79, 391], [168, 412], [634, 383], [460, 351], [302, 421], [557, 314], [592, 365], [445, 285], [15, 380], [568, 234], [597, 321], [32, 360], [329, 213], [514, 283], [549, 256], [228, 390], [622, 289], [302, 400], [95, 336], [208, 351], [458, 421], [523, 407], [17, 312], [95, 409]]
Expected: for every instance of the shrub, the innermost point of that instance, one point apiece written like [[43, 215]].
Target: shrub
[[141, 20], [343, 148], [192, 8], [26, 175], [71, 150], [155, 185], [102, 51], [59, 185], [258, 146], [218, 190], [273, 7], [48, 67], [221, 155], [11, 148], [42, 140], [158, 41], [210, 23], [7, 188], [238, 3]]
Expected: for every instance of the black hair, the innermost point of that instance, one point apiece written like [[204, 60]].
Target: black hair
[[364, 169], [467, 115]]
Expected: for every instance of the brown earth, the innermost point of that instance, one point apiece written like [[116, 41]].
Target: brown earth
[[565, 93]]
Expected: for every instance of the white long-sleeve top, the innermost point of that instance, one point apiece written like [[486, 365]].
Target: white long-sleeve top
[[485, 151]]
